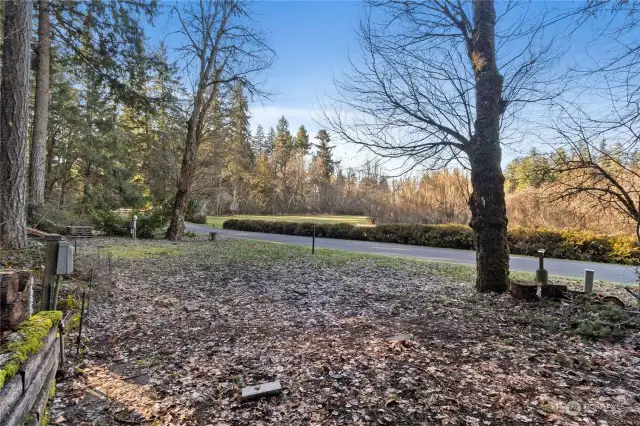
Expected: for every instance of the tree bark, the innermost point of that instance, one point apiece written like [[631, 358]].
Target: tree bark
[[187, 171], [487, 202], [13, 122], [37, 157], [9, 285]]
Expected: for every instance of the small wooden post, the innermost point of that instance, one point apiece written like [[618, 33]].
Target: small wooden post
[[212, 236], [313, 241], [50, 266], [588, 281]]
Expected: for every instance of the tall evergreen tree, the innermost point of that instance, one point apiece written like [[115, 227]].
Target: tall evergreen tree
[[13, 122], [270, 142], [38, 149], [239, 129], [283, 143], [258, 140], [302, 140], [324, 156]]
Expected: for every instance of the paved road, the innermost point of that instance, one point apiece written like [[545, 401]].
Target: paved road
[[560, 267]]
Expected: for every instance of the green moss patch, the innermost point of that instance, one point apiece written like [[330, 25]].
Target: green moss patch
[[33, 332]]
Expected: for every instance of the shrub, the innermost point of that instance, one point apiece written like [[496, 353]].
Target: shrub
[[48, 225], [198, 218], [561, 244], [112, 224], [149, 223]]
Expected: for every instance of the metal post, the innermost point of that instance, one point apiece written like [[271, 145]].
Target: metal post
[[541, 256], [313, 241], [588, 281], [81, 320], [109, 260], [135, 219], [62, 355], [542, 275]]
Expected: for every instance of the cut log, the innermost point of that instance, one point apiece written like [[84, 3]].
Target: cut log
[[524, 290], [553, 291], [8, 287], [12, 314]]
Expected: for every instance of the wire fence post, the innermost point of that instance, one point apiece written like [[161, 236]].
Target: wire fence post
[[81, 321]]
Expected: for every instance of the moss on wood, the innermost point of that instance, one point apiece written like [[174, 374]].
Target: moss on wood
[[32, 333]]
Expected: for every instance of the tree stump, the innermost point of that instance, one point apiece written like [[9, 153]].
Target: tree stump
[[11, 315], [8, 287], [24, 279], [524, 290], [553, 291]]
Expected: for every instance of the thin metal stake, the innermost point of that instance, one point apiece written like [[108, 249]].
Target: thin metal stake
[[62, 355], [313, 241], [81, 320]]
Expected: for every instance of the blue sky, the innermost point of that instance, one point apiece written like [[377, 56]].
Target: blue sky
[[313, 41]]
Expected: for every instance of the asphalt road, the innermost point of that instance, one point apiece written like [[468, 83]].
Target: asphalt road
[[559, 267]]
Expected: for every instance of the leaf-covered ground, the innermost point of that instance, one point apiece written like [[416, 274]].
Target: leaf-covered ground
[[181, 328]]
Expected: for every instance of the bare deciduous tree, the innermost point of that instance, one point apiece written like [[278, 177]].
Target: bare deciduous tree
[[600, 125], [221, 48], [431, 89]]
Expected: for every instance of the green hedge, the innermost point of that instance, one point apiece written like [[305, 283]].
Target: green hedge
[[561, 244]]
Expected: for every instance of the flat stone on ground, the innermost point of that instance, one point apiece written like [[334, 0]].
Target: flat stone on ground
[[401, 338], [191, 308], [261, 390]]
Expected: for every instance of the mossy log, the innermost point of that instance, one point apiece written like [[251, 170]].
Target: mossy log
[[524, 290], [8, 287], [553, 291]]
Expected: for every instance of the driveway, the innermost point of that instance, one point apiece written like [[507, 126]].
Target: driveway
[[559, 267]]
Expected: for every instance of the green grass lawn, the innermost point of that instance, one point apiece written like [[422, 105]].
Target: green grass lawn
[[217, 221], [262, 252]]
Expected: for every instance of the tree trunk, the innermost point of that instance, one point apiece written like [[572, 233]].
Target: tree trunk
[[37, 157], [13, 122], [487, 202], [86, 188], [176, 227]]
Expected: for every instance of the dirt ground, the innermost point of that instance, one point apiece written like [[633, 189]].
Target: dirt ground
[[179, 329]]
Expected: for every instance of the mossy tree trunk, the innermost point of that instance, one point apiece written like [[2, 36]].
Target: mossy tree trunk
[[487, 202]]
